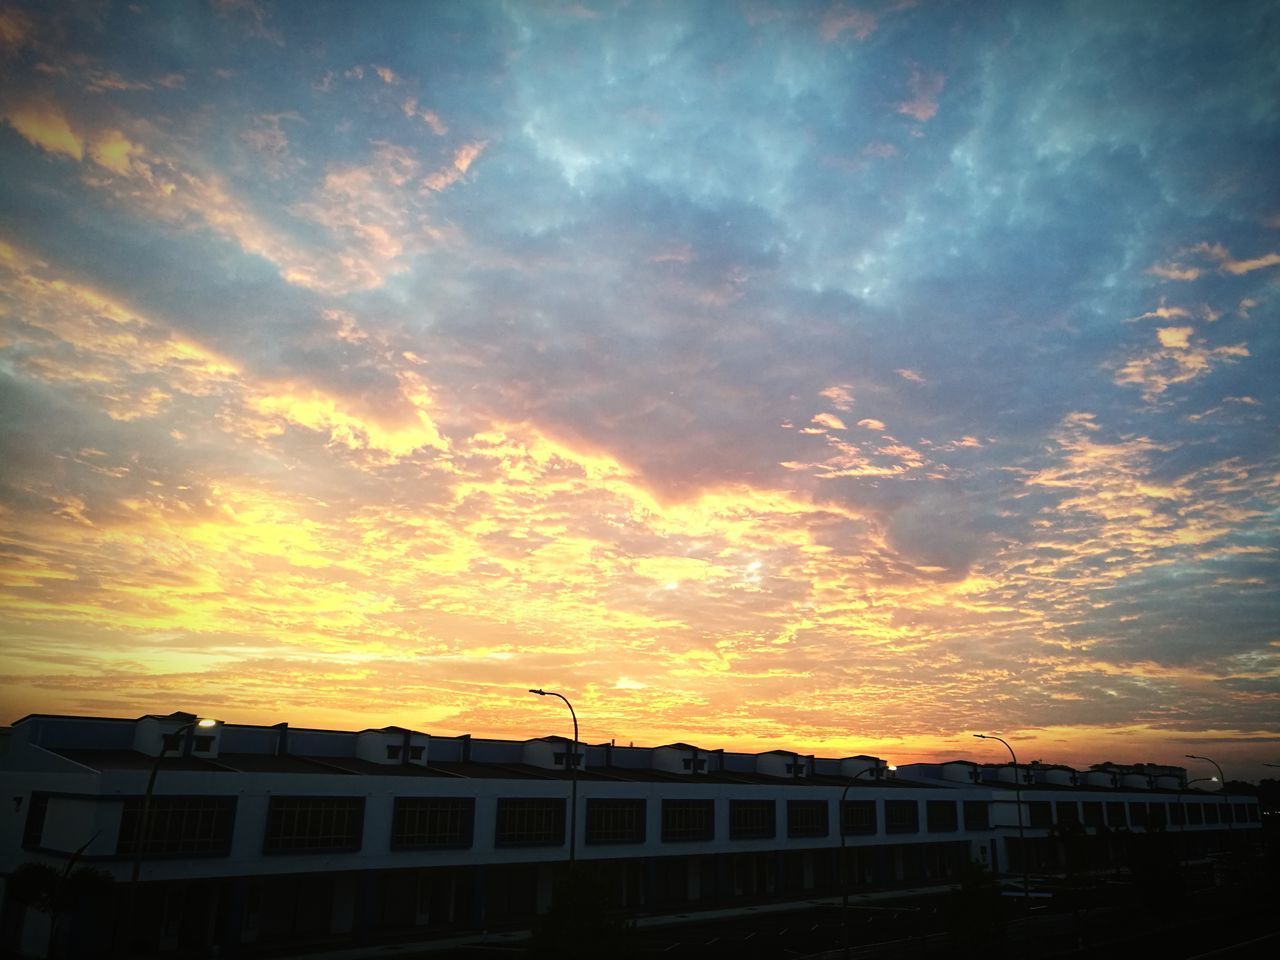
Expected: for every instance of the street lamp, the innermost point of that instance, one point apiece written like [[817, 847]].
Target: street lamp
[[1226, 804], [1017, 790], [143, 832], [572, 763], [844, 873]]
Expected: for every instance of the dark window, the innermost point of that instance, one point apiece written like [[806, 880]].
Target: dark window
[[1039, 813], [535, 822], [1240, 812], [314, 823], [1137, 813], [1177, 814], [615, 821], [858, 816], [1092, 813], [558, 758], [201, 744], [423, 822], [694, 764], [1210, 813], [977, 815], [1068, 811], [901, 816], [1195, 814], [940, 816], [33, 828], [688, 820], [190, 825], [1157, 816], [807, 818], [1253, 813], [415, 753], [1226, 813], [1115, 814], [393, 753], [752, 819]]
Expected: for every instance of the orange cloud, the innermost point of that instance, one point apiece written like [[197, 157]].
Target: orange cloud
[[46, 126]]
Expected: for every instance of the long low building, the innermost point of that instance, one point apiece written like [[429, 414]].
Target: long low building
[[251, 837]]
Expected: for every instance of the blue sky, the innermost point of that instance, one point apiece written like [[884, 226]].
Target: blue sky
[[853, 375]]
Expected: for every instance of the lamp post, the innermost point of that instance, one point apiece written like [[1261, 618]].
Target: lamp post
[[844, 874], [1017, 792], [144, 821], [572, 763], [1226, 804]]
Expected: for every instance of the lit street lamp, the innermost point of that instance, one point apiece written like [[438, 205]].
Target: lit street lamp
[[572, 763], [143, 831], [1226, 804], [1017, 791]]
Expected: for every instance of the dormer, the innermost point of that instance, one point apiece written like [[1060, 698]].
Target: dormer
[[393, 746], [784, 764], [1169, 781], [960, 771], [177, 735], [1135, 781], [1100, 778], [554, 753], [855, 767], [1005, 773], [1054, 775], [683, 758]]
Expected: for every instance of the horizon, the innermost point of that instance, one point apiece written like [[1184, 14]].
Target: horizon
[[850, 376]]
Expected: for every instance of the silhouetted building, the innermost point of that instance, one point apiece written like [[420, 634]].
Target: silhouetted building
[[252, 835]]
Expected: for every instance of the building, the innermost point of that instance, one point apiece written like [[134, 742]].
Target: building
[[245, 836]]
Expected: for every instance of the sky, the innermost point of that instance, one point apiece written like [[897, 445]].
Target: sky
[[847, 378]]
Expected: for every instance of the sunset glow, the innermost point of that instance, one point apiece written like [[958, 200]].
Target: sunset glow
[[843, 377]]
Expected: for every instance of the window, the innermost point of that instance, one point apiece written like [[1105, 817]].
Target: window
[[1177, 814], [1137, 813], [33, 828], [314, 823], [535, 822], [688, 820], [188, 825], [615, 821], [901, 816], [1115, 814], [1157, 816], [858, 816], [424, 822], [393, 753], [1253, 813], [751, 819], [940, 816], [415, 753], [1210, 813], [1039, 813], [977, 815], [1240, 812], [1195, 814], [1068, 811], [807, 818], [694, 764], [1092, 813]]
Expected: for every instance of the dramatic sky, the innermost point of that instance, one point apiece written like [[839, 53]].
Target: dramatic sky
[[847, 378]]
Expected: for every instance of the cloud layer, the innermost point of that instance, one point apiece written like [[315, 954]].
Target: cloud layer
[[846, 376]]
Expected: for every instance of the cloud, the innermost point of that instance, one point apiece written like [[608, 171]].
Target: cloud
[[925, 87], [841, 19], [446, 177], [876, 425], [828, 420], [45, 126], [840, 396], [911, 375]]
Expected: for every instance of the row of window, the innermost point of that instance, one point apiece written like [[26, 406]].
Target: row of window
[[196, 825], [1150, 816], [203, 825]]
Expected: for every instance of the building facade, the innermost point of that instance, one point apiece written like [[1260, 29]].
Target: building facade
[[250, 837]]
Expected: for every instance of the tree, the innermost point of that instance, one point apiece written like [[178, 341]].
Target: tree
[[47, 890]]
